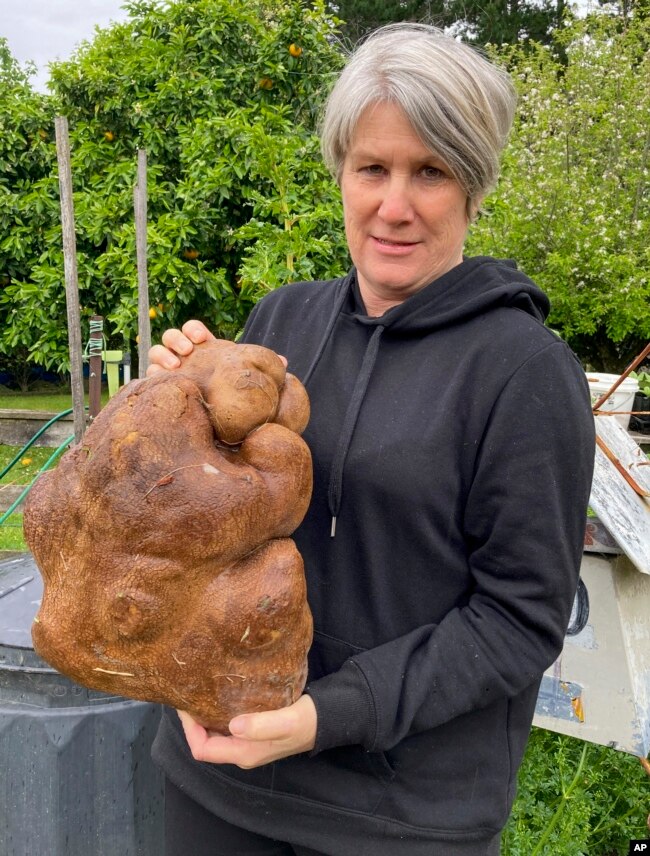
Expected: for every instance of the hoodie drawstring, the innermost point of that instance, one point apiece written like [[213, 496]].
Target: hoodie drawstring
[[471, 288], [342, 297], [352, 414]]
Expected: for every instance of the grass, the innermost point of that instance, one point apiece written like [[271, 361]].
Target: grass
[[27, 467], [54, 399], [22, 473], [54, 402], [11, 534]]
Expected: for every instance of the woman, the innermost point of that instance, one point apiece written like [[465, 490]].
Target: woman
[[453, 444]]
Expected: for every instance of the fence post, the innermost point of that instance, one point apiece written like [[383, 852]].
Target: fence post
[[95, 348], [71, 281], [140, 208]]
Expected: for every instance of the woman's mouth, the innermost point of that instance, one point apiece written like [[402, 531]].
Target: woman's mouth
[[389, 243], [391, 247]]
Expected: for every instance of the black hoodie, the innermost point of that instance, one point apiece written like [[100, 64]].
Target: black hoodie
[[453, 447]]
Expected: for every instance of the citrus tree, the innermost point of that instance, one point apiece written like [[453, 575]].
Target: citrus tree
[[26, 161], [224, 98], [573, 205]]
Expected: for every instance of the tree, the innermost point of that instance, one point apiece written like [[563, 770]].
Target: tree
[[26, 161], [492, 21], [224, 97], [573, 206], [500, 22], [225, 100], [626, 9], [361, 16]]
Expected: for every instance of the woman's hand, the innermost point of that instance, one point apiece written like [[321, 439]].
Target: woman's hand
[[180, 343], [255, 738], [176, 344]]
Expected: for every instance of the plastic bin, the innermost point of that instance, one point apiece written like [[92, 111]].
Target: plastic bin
[[77, 777], [623, 397]]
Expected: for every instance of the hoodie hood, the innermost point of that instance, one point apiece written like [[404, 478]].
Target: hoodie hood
[[472, 288]]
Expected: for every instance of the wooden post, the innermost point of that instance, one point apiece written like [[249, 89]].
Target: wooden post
[[96, 346], [71, 282], [140, 208], [635, 362]]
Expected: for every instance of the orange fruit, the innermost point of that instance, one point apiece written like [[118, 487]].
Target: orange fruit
[[295, 50], [26, 462], [152, 313], [265, 83], [191, 254], [109, 135]]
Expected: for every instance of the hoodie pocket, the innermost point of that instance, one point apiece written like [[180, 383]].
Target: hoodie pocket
[[351, 772], [346, 777], [327, 654]]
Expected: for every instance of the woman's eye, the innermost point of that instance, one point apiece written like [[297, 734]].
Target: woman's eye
[[432, 172], [373, 169]]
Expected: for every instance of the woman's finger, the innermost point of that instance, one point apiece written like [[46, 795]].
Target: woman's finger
[[177, 342], [153, 369], [256, 738], [217, 748], [197, 332], [268, 725], [163, 358]]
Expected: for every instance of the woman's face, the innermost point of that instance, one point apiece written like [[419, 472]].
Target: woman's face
[[405, 215]]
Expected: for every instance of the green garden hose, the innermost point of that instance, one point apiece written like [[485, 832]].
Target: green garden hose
[[33, 440], [45, 466]]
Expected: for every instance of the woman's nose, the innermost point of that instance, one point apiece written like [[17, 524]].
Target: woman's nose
[[396, 204]]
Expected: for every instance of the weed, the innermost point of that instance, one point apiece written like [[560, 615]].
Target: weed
[[576, 799]]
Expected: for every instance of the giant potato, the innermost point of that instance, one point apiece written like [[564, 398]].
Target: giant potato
[[163, 540]]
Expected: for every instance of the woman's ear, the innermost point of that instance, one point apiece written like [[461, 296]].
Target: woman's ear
[[474, 208]]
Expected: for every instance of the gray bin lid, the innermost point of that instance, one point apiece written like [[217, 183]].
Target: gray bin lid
[[26, 679], [21, 589]]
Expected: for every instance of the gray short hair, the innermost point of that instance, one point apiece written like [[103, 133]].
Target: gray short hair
[[460, 104]]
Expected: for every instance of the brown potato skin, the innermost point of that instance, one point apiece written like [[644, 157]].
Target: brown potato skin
[[163, 540]]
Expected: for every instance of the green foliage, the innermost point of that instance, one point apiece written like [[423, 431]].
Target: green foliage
[[573, 206], [500, 22], [238, 200], [576, 799], [23, 472], [490, 21], [643, 379], [11, 534], [361, 16], [26, 162]]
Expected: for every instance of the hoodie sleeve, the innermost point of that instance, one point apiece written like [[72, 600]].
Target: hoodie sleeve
[[524, 526]]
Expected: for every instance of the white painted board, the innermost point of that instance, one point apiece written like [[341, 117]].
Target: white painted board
[[599, 687], [625, 513]]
